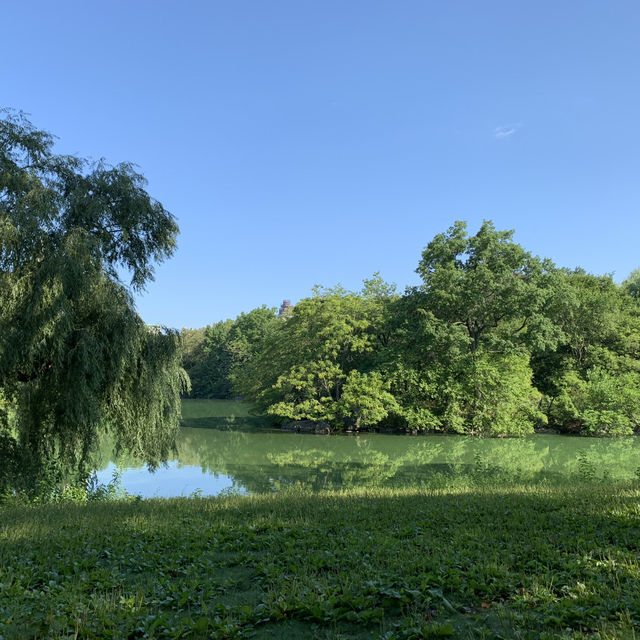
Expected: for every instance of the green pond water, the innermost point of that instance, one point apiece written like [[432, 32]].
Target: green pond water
[[226, 452]]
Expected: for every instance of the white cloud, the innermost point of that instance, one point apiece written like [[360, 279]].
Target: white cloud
[[506, 130]]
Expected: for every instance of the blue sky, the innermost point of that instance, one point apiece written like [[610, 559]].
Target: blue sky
[[302, 142]]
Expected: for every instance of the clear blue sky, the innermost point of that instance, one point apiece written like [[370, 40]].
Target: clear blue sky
[[302, 142]]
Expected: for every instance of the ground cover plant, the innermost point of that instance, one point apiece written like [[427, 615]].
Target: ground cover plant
[[477, 560]]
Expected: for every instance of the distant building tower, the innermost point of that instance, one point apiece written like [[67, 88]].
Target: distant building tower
[[284, 307]]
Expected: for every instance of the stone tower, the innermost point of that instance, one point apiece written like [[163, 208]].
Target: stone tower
[[284, 307]]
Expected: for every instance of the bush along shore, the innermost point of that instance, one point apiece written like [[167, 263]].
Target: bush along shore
[[476, 560]]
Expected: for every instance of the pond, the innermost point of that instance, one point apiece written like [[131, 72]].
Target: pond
[[225, 452]]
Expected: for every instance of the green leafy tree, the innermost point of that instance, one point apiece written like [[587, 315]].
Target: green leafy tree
[[365, 399], [223, 349], [632, 284], [302, 367], [246, 337], [300, 372], [595, 317], [192, 347], [496, 341], [489, 285], [462, 357], [309, 391], [423, 360], [603, 404], [599, 349], [75, 358], [209, 365], [492, 394]]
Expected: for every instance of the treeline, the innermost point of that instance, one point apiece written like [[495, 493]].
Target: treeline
[[495, 341]]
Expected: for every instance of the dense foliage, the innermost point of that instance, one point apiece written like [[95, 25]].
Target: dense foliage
[[75, 358], [495, 341], [214, 356]]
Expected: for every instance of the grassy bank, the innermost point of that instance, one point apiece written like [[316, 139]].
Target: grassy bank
[[477, 562]]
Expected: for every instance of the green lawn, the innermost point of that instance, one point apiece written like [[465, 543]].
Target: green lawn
[[485, 562]]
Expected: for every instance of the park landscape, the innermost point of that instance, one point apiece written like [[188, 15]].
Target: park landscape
[[320, 536], [439, 440]]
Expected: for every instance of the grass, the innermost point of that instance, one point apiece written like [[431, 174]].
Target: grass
[[475, 562]]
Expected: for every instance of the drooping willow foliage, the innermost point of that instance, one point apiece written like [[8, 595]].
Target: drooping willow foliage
[[75, 358]]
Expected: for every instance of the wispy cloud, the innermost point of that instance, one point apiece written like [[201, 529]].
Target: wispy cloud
[[506, 130]]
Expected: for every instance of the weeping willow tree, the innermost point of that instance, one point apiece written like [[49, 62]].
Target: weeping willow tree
[[75, 358]]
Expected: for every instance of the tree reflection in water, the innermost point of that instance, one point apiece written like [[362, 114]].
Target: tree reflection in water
[[269, 461]]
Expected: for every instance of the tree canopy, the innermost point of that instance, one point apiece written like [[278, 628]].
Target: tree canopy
[[495, 341], [75, 358]]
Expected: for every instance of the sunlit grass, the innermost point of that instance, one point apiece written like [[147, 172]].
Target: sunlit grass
[[492, 561]]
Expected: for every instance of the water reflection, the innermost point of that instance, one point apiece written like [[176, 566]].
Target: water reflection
[[214, 460], [170, 481]]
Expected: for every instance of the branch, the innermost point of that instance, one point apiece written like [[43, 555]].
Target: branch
[[524, 324]]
